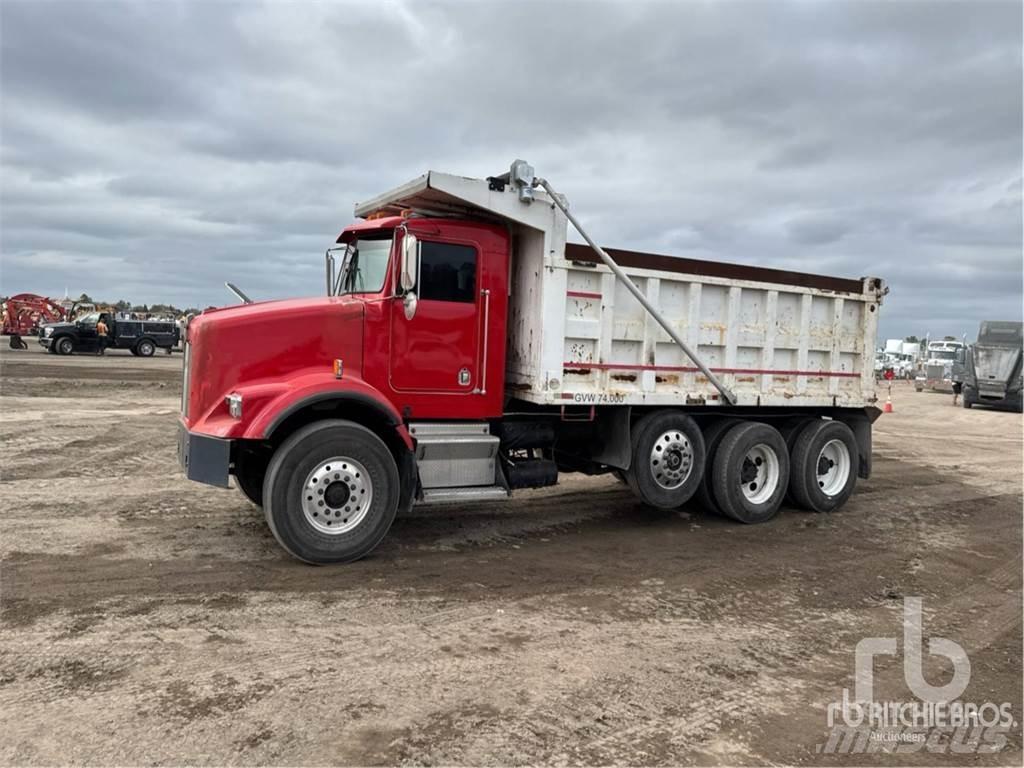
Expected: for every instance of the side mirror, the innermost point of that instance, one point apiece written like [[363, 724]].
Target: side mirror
[[410, 263]]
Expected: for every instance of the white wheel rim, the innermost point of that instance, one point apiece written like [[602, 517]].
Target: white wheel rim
[[833, 467], [671, 459], [336, 495], [759, 475]]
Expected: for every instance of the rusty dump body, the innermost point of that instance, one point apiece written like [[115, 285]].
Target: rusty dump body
[[772, 337]]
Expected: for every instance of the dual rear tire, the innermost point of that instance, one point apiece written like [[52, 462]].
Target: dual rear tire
[[742, 469]]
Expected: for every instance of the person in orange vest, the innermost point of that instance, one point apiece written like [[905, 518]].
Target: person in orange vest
[[101, 335]]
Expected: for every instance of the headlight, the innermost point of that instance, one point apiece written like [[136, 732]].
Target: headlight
[[48, 332]]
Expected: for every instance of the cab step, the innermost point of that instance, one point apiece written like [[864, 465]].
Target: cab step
[[458, 495]]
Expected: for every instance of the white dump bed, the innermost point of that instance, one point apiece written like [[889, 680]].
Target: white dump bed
[[576, 335]]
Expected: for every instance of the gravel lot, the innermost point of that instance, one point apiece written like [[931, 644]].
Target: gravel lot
[[147, 619]]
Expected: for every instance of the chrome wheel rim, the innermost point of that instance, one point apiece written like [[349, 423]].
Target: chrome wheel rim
[[671, 459], [833, 467], [759, 475], [336, 495]]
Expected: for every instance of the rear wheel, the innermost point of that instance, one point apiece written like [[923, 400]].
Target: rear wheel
[[145, 348], [331, 492], [712, 438], [825, 463], [751, 470], [668, 459]]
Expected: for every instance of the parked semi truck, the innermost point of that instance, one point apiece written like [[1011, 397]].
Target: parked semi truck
[[992, 370], [936, 371], [465, 350]]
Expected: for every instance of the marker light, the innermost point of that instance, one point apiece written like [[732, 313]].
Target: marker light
[[234, 401]]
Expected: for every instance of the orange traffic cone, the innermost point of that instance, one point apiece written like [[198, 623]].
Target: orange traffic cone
[[888, 405]]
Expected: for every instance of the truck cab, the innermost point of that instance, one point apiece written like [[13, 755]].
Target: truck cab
[[463, 351]]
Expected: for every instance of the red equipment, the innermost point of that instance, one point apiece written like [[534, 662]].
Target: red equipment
[[25, 312]]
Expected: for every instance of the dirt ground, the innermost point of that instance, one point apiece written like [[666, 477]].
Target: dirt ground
[[147, 619]]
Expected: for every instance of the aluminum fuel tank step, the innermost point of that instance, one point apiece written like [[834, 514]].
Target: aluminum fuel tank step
[[455, 455]]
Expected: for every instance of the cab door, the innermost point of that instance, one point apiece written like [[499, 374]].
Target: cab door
[[88, 339], [436, 350]]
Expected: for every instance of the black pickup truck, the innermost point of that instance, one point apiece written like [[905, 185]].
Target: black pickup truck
[[142, 337]]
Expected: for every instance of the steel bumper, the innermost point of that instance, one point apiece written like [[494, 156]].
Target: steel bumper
[[203, 458]]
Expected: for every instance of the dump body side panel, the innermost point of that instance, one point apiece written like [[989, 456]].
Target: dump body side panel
[[771, 344]]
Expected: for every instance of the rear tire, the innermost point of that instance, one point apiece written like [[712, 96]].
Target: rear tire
[[331, 492], [825, 463], [145, 348], [751, 472], [668, 459], [712, 438]]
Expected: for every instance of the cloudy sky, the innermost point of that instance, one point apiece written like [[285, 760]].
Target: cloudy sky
[[153, 150]]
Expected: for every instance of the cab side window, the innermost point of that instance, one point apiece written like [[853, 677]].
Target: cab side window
[[447, 272]]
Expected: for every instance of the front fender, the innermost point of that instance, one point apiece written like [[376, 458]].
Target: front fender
[[265, 406]]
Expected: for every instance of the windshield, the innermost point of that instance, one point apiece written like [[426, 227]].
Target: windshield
[[943, 354], [365, 265], [90, 319]]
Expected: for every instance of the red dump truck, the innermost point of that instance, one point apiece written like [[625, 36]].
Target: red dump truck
[[464, 350]]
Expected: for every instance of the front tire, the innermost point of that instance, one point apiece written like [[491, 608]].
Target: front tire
[[751, 472], [65, 346], [825, 463], [331, 492], [668, 459]]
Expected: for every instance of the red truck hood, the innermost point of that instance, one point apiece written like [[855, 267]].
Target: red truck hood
[[269, 341]]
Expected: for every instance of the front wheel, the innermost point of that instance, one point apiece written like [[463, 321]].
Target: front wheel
[[751, 471], [65, 346], [668, 459], [331, 492]]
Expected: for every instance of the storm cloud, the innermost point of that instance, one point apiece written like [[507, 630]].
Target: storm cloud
[[151, 151]]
